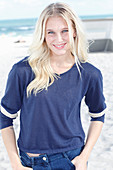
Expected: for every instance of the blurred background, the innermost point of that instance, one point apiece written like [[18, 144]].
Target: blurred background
[[18, 18], [17, 23]]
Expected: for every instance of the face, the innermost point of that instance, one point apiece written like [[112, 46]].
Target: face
[[57, 36]]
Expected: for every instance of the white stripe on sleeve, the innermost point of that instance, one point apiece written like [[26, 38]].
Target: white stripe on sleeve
[[8, 114], [95, 115]]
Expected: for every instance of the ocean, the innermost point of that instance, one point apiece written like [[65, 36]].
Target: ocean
[[17, 27], [25, 27]]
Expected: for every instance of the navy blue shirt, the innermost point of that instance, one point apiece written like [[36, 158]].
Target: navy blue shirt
[[50, 122]]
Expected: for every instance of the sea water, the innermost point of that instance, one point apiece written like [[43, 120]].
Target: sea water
[[26, 27], [17, 27]]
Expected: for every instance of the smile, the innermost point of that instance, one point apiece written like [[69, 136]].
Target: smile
[[60, 46]]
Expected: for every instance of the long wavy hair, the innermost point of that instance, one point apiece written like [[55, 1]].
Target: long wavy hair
[[39, 58]]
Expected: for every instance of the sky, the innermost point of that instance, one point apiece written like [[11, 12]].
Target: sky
[[17, 9]]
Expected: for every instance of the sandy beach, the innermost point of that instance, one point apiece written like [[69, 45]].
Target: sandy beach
[[102, 154]]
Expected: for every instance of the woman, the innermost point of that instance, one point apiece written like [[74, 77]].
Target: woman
[[48, 87]]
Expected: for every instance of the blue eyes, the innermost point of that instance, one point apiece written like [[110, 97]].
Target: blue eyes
[[65, 31], [52, 32]]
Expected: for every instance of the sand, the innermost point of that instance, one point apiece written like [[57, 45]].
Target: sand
[[102, 154]]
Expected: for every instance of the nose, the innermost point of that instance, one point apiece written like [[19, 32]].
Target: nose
[[59, 37]]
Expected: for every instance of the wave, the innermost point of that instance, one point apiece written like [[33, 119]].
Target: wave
[[3, 29], [26, 28], [21, 30]]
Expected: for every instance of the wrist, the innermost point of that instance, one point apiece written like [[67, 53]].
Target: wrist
[[15, 162], [85, 154], [84, 157], [16, 165]]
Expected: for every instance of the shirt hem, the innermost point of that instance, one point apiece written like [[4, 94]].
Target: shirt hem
[[50, 151]]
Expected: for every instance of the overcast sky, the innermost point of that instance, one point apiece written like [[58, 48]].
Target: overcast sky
[[15, 9]]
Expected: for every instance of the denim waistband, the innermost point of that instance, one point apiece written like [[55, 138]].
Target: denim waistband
[[51, 157]]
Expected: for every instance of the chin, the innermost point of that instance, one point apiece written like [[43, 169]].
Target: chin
[[59, 53]]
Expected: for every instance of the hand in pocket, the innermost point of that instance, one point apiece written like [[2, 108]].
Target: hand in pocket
[[79, 163]]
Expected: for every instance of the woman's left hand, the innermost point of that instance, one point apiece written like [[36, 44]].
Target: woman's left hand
[[79, 163]]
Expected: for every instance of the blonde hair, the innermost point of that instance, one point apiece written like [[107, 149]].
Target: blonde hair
[[39, 58]]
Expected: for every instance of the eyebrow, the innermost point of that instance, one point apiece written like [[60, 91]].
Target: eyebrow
[[50, 29]]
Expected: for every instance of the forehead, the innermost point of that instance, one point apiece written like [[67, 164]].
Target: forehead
[[56, 22]]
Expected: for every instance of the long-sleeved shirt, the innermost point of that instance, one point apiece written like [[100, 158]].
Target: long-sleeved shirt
[[50, 122]]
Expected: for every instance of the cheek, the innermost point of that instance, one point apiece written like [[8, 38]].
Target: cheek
[[49, 39], [66, 37]]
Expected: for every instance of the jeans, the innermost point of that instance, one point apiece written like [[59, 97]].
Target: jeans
[[57, 161]]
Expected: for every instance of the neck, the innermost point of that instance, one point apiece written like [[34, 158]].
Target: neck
[[63, 60]]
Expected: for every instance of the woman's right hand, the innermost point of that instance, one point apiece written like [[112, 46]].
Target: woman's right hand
[[26, 168], [21, 167]]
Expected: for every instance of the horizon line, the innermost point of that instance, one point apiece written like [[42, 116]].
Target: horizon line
[[82, 17]]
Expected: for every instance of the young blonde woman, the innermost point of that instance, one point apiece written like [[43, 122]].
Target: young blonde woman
[[48, 87]]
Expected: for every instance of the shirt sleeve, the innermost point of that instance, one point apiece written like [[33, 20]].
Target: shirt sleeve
[[12, 100], [94, 97]]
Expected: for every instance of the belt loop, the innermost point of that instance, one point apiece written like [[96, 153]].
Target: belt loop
[[32, 160]]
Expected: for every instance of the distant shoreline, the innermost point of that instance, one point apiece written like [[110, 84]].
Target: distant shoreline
[[82, 17], [97, 19]]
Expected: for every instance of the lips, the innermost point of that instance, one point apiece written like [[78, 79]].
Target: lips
[[59, 46]]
